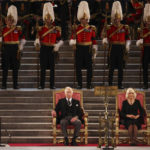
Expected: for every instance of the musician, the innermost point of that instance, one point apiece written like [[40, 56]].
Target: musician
[[49, 38], [145, 42], [84, 38], [118, 38], [13, 42]]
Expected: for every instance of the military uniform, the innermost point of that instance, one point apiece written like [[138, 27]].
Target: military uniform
[[10, 52], [47, 60], [145, 54], [85, 38], [117, 42]]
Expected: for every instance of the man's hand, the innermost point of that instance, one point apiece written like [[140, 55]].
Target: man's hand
[[53, 113], [73, 119]]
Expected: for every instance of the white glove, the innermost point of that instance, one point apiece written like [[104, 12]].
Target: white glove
[[57, 46], [1, 39], [139, 42], [21, 47], [95, 47], [21, 44], [72, 42], [105, 41], [128, 43], [37, 42]]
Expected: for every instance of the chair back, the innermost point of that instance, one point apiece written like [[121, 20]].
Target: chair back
[[60, 94]]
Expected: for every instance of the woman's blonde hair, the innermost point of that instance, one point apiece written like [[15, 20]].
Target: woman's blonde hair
[[68, 88], [130, 90]]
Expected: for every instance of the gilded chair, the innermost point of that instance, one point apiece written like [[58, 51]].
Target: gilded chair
[[120, 128], [78, 95]]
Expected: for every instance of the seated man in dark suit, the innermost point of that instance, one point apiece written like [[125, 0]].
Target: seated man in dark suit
[[68, 111]]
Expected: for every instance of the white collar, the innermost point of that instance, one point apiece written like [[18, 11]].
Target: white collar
[[69, 99]]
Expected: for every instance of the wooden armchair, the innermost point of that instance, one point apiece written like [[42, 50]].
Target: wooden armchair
[[78, 95], [145, 130]]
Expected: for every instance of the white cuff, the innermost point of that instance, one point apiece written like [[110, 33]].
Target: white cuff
[[72, 42], [57, 46], [139, 42], [23, 41], [36, 42], [105, 41]]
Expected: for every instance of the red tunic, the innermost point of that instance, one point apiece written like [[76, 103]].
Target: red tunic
[[120, 36], [51, 38], [13, 36], [84, 35]]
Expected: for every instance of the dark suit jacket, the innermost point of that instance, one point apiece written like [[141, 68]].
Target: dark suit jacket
[[61, 109]]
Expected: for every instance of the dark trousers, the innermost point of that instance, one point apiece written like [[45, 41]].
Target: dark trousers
[[10, 61], [116, 61], [83, 60], [47, 62], [146, 61], [65, 122]]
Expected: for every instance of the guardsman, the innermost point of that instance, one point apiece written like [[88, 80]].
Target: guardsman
[[145, 42], [12, 43], [118, 38], [84, 38], [49, 38]]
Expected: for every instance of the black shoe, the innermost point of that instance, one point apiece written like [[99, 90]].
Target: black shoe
[[16, 87], [145, 87], [74, 143], [4, 87], [79, 87], [41, 87], [66, 142], [133, 144], [52, 87], [89, 86], [120, 87]]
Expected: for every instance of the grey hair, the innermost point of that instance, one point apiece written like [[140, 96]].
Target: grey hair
[[68, 88], [130, 90]]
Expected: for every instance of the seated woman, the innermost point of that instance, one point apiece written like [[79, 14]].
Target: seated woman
[[132, 114]]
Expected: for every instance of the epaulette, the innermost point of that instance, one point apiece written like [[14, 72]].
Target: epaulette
[[93, 27], [58, 28], [19, 28]]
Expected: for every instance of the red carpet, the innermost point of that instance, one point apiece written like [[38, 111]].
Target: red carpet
[[44, 144], [50, 144]]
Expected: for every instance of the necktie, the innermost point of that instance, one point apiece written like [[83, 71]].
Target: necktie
[[69, 103]]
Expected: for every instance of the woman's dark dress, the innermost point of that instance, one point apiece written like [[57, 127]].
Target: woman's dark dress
[[133, 109]]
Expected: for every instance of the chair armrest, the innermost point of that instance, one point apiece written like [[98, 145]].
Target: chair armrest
[[148, 115], [117, 120], [85, 114], [148, 120], [85, 118], [53, 121]]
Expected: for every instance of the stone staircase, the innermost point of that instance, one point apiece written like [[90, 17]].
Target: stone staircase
[[26, 113]]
